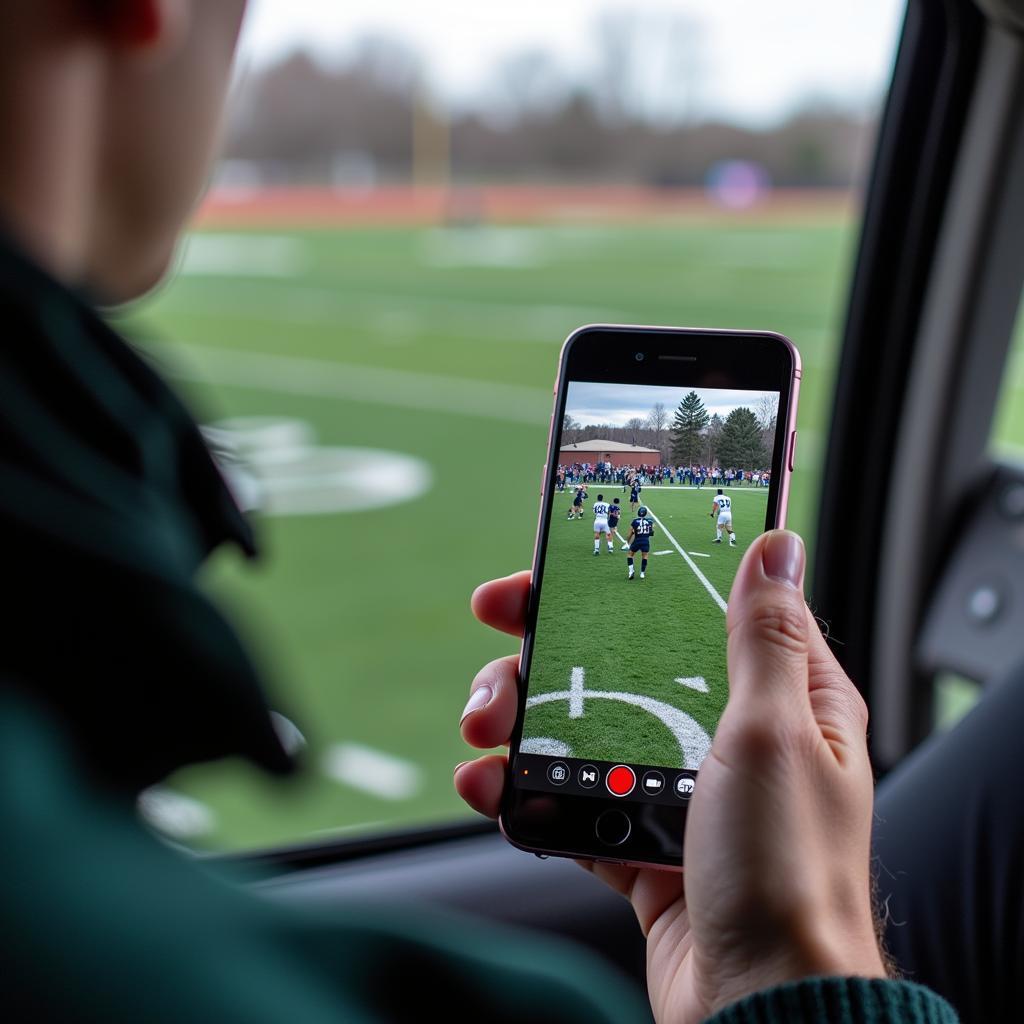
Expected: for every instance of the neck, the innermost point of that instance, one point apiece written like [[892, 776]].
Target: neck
[[50, 118]]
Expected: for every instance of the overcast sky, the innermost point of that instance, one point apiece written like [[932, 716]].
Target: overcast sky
[[617, 404], [756, 60]]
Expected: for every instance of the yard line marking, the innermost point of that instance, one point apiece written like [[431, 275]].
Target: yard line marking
[[715, 596], [545, 745], [372, 771], [286, 302], [576, 681], [699, 554], [174, 814], [669, 552], [405, 389], [694, 683], [694, 742], [228, 254]]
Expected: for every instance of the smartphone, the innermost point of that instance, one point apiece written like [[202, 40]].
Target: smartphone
[[670, 450]]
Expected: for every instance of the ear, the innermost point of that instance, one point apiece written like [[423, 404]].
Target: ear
[[143, 26]]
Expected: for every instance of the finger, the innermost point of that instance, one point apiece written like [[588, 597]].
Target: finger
[[490, 713], [651, 892], [769, 635], [836, 704], [480, 783], [502, 603]]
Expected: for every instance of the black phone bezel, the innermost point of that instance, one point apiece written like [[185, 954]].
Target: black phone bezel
[[563, 825]]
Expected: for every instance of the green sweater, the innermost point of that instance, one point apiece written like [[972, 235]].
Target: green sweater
[[115, 670], [841, 1001]]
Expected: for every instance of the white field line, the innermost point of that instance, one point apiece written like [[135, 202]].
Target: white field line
[[740, 488], [372, 771], [576, 681], [286, 302], [698, 683], [699, 554], [669, 552], [694, 742], [715, 596], [404, 389], [174, 814]]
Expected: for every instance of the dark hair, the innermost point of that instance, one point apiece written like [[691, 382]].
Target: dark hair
[[719, 490], [600, 497], [615, 501]]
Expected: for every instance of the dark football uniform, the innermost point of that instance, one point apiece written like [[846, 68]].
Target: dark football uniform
[[578, 500], [614, 511], [634, 494], [643, 530]]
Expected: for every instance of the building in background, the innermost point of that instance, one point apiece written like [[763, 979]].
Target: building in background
[[614, 452]]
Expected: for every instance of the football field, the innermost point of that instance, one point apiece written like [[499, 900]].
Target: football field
[[661, 638], [404, 374]]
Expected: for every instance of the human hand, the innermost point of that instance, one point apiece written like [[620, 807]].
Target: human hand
[[777, 884]]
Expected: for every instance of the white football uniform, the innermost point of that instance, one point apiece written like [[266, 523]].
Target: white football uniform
[[601, 517], [724, 506]]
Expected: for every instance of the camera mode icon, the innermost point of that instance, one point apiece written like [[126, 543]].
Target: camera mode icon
[[588, 776], [684, 786], [558, 773], [654, 783]]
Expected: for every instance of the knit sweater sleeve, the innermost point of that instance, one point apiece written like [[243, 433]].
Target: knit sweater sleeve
[[840, 1001]]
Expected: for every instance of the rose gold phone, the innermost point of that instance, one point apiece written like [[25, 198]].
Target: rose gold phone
[[670, 451]]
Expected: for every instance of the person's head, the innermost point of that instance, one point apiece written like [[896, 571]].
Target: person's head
[[615, 501], [600, 497], [642, 511], [109, 116], [719, 490]]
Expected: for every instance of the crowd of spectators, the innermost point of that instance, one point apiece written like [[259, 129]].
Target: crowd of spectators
[[576, 473]]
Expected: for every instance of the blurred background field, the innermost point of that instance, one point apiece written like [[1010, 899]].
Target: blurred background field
[[363, 613], [400, 235]]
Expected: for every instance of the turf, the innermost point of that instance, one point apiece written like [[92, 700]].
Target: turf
[[362, 620], [637, 636]]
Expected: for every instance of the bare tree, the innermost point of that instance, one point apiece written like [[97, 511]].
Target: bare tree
[[766, 409], [570, 430], [656, 420]]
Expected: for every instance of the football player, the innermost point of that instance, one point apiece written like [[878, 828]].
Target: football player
[[576, 509], [721, 506], [614, 511], [641, 530], [601, 510], [634, 494]]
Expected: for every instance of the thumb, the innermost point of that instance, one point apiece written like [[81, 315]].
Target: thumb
[[769, 633]]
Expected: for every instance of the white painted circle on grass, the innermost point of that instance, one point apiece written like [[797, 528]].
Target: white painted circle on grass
[[174, 814], [545, 745], [273, 464], [694, 742]]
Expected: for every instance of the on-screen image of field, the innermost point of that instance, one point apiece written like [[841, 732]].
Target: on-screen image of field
[[629, 659]]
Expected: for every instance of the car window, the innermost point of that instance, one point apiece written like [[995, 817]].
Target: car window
[[412, 212], [955, 695], [1008, 424]]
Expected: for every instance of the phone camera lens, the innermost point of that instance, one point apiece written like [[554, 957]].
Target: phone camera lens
[[639, 357]]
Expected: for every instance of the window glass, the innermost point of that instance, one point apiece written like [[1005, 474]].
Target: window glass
[[414, 208], [1008, 426]]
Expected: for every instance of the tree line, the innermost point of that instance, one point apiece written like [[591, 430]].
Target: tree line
[[694, 437], [300, 120]]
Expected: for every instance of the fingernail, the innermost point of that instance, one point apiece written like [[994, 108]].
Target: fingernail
[[455, 770], [783, 558], [477, 699]]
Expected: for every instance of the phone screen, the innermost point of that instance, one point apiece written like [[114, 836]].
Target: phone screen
[[658, 492]]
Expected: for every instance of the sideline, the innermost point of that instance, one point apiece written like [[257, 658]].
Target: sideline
[[715, 595], [404, 389]]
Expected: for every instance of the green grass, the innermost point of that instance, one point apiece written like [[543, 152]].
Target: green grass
[[363, 623], [638, 636]]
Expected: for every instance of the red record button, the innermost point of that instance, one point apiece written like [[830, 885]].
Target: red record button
[[620, 780]]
